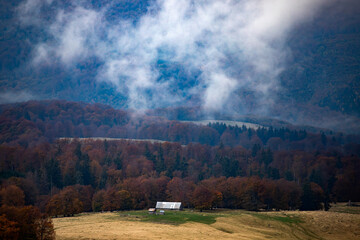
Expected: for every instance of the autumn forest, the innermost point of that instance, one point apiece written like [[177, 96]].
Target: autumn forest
[[53, 164]]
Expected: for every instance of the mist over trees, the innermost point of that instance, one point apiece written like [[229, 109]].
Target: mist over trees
[[314, 80], [42, 121]]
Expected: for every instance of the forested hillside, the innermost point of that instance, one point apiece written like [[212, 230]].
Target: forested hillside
[[202, 166], [42, 121], [116, 175]]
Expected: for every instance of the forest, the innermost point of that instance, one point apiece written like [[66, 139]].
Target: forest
[[49, 168]]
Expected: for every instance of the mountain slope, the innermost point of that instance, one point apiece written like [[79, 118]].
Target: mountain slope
[[319, 86]]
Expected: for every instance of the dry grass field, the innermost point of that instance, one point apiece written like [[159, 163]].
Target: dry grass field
[[340, 223]]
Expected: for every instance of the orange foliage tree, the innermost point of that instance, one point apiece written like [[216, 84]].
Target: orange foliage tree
[[117, 200], [65, 203], [8, 229], [25, 223]]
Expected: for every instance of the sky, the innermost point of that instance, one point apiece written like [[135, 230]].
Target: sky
[[222, 47]]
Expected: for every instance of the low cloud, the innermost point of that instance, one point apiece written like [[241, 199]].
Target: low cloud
[[13, 97], [222, 47], [29, 11], [74, 36]]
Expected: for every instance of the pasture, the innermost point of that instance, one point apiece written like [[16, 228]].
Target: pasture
[[341, 222]]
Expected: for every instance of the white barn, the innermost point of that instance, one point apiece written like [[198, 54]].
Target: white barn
[[169, 205]]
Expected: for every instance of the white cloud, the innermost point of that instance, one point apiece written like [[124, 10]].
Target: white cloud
[[74, 36], [235, 44], [218, 91], [29, 11], [13, 97]]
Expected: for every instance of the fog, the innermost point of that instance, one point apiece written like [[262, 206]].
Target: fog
[[222, 47]]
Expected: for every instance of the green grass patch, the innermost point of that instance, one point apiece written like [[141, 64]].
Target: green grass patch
[[284, 218], [172, 217], [343, 208]]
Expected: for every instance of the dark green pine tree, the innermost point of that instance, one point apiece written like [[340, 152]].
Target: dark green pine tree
[[307, 199], [160, 164], [54, 173], [103, 179], [85, 170], [83, 175], [310, 200], [255, 149]]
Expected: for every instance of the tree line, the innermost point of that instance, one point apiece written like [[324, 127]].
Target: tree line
[[37, 122], [71, 176]]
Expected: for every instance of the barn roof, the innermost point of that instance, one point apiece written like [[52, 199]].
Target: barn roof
[[168, 205]]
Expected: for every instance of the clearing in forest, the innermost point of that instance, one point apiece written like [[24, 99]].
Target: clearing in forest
[[339, 223]]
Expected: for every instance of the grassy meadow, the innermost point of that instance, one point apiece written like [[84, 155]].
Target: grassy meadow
[[341, 222]]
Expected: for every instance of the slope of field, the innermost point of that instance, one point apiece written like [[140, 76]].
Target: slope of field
[[221, 224]]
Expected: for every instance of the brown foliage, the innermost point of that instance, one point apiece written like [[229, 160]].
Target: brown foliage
[[85, 194], [98, 201], [151, 172], [12, 196], [180, 190], [65, 203], [25, 223], [45, 229], [205, 198], [117, 200], [8, 229]]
